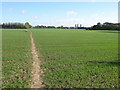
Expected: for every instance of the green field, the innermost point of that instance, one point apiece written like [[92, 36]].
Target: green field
[[16, 59], [70, 58]]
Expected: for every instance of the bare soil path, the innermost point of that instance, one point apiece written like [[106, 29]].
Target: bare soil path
[[36, 71]]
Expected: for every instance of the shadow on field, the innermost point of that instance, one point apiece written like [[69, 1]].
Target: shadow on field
[[109, 63]]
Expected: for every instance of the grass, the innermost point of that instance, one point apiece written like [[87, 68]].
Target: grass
[[78, 58], [16, 59], [0, 58], [70, 58]]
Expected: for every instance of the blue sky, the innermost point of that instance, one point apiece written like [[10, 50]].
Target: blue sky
[[60, 13]]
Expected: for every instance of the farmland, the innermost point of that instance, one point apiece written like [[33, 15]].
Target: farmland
[[70, 58], [16, 59]]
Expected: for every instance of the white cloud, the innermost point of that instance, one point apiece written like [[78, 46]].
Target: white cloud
[[59, 21], [69, 21], [90, 20], [23, 11], [10, 9], [102, 17], [95, 18], [36, 17], [71, 13], [35, 20]]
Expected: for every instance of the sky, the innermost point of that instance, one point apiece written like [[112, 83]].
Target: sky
[[60, 13]]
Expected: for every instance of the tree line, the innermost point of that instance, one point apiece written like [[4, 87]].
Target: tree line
[[99, 26], [106, 26], [15, 25]]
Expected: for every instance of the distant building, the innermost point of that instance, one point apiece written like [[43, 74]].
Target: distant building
[[76, 26], [80, 25]]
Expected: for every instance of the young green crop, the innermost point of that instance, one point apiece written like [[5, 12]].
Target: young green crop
[[70, 58], [16, 59], [78, 58]]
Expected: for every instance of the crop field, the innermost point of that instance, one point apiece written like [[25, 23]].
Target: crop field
[[16, 59], [78, 58], [70, 58]]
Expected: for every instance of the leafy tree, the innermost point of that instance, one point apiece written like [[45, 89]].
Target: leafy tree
[[106, 26], [13, 25], [27, 25]]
